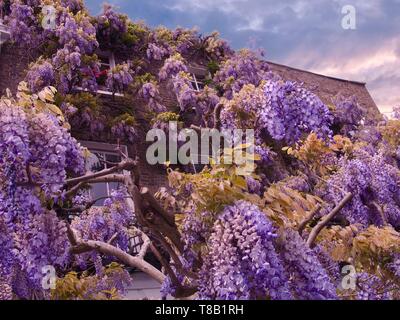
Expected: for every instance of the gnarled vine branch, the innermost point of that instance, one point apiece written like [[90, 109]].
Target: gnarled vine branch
[[323, 223]]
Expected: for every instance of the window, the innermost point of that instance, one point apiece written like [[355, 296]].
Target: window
[[107, 62], [197, 82], [102, 157], [198, 77], [4, 31], [104, 151]]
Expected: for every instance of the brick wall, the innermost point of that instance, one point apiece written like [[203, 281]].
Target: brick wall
[[14, 62], [327, 87]]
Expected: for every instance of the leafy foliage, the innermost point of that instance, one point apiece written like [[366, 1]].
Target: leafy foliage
[[74, 286], [237, 236]]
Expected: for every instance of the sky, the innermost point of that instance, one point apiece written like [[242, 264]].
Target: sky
[[305, 34]]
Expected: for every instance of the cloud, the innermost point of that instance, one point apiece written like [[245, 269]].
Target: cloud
[[300, 33]]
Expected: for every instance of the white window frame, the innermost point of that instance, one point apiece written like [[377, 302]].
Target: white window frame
[[195, 72], [112, 65], [135, 242], [4, 30], [104, 148], [196, 82]]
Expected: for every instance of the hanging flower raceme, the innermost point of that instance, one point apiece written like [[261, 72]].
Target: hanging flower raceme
[[76, 31], [374, 184], [183, 89], [22, 23], [35, 150], [244, 68], [172, 67], [43, 239], [348, 114], [40, 75], [124, 127], [119, 78], [292, 111], [160, 44], [150, 94], [217, 48], [242, 262], [111, 29], [103, 223], [309, 280], [184, 39], [155, 52], [207, 100]]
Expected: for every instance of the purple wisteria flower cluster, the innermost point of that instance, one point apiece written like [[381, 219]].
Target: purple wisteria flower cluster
[[111, 22], [150, 94], [348, 114], [40, 75], [241, 69], [291, 111], [172, 67], [242, 262], [103, 223], [119, 78], [34, 149], [310, 280], [374, 184]]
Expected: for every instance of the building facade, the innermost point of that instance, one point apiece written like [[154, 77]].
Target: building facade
[[14, 62]]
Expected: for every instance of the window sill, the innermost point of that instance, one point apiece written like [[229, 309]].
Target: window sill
[[103, 92]]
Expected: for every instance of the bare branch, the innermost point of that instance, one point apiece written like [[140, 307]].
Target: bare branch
[[381, 212], [71, 235], [109, 178], [113, 238], [307, 219], [217, 115], [122, 256], [166, 266], [147, 218], [74, 190], [318, 228], [169, 217], [181, 290], [145, 246], [127, 164], [197, 128]]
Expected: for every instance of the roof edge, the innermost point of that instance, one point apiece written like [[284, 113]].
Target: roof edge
[[317, 74]]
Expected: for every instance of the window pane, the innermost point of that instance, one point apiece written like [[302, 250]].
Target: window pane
[[95, 162], [104, 68], [113, 158], [99, 190], [113, 186]]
